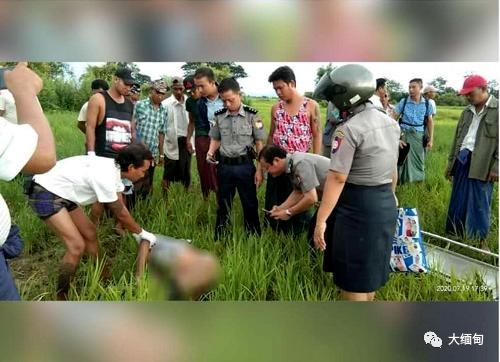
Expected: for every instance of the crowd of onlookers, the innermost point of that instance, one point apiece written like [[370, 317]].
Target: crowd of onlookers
[[129, 137]]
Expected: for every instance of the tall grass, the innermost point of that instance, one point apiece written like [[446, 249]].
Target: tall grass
[[270, 267]]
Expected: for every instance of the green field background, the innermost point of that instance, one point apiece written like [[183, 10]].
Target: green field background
[[272, 267]]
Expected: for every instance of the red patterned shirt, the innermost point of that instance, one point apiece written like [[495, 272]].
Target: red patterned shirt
[[292, 133]]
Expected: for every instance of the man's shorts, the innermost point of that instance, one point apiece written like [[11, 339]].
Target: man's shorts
[[45, 204]]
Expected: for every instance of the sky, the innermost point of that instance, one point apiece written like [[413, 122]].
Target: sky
[[256, 83]]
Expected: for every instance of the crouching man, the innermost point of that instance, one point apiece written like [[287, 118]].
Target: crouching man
[[307, 173], [57, 196], [191, 272]]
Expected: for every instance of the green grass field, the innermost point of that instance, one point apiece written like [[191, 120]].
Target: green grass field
[[271, 267]]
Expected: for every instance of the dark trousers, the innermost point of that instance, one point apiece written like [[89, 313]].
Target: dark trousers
[[8, 290], [470, 203], [312, 226], [179, 170], [207, 171], [12, 248], [277, 191], [237, 177]]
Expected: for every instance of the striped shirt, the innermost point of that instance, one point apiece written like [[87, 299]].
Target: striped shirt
[[150, 122]]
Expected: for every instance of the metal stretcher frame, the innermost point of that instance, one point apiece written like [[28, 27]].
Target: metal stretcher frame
[[449, 262]]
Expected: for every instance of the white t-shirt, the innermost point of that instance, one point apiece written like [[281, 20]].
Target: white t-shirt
[[8, 104], [432, 105], [82, 116], [375, 99], [17, 145], [83, 179]]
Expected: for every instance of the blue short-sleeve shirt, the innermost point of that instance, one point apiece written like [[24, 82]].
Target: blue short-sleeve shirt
[[414, 113]]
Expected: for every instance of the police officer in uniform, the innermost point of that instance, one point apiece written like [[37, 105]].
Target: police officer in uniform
[[307, 173], [238, 135], [357, 215]]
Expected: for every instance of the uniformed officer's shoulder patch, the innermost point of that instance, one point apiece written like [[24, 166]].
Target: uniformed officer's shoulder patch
[[257, 123], [250, 109], [337, 138], [339, 132], [220, 111]]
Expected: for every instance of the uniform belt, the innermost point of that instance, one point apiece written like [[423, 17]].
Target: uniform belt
[[235, 160]]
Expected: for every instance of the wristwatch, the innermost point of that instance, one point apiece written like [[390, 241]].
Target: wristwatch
[[288, 212]]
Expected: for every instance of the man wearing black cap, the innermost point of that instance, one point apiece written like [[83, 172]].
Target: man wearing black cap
[[135, 93], [109, 122], [109, 117]]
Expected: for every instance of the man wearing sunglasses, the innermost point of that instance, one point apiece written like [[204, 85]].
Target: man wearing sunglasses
[[473, 163]]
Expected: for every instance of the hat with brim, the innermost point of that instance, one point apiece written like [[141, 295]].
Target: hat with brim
[[472, 82], [136, 89], [160, 86], [125, 74], [177, 81], [430, 88]]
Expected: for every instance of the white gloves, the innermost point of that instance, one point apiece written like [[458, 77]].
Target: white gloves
[[146, 235]]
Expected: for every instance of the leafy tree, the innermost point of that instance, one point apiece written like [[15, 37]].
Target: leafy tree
[[396, 90], [322, 71], [221, 69], [447, 96], [57, 92], [107, 71], [450, 99], [493, 87], [441, 85], [45, 69], [167, 79]]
